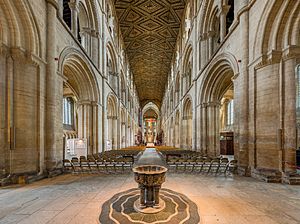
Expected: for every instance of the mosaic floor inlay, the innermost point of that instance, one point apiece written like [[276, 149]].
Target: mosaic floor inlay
[[179, 209]]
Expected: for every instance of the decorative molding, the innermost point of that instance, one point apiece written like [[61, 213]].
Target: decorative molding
[[273, 57], [112, 117], [235, 76], [290, 52], [53, 3]]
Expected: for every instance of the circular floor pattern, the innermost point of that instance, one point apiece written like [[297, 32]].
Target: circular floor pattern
[[179, 209]]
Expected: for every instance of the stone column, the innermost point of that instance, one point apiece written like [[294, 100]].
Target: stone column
[[289, 133], [123, 135], [118, 123], [125, 129], [223, 14], [204, 133], [213, 128], [53, 144], [85, 35], [4, 123], [190, 132], [210, 36], [61, 8], [142, 197], [243, 95], [183, 133], [97, 114], [95, 47], [87, 124], [156, 195], [132, 133], [115, 132], [195, 124], [74, 20], [104, 114], [203, 47]]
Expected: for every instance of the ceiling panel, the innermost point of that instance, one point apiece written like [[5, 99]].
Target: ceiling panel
[[150, 29]]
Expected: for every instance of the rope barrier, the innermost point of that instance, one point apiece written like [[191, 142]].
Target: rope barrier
[[292, 165]]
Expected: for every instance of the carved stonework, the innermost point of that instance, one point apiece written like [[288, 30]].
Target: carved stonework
[[150, 179]]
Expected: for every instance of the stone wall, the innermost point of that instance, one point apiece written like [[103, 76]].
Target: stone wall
[[39, 53], [260, 50]]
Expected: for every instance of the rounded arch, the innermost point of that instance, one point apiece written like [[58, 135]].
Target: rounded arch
[[91, 10], [123, 127], [222, 69], [279, 28], [187, 108], [188, 19], [111, 57], [152, 106], [123, 115], [123, 88], [112, 115], [187, 123], [18, 27], [206, 14], [213, 20], [187, 57], [77, 70], [177, 129], [83, 16], [111, 106], [177, 117]]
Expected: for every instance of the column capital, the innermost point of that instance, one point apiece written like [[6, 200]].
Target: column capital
[[211, 33], [235, 76], [74, 6], [224, 9], [116, 74], [112, 117], [85, 102], [4, 50], [203, 105], [188, 117], [203, 36], [290, 52], [213, 104], [95, 33]]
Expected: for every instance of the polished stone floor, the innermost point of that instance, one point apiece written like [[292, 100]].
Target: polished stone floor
[[78, 199]]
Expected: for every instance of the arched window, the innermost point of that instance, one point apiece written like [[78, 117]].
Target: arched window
[[230, 113], [83, 26], [68, 112], [189, 75], [67, 17], [187, 22], [230, 15]]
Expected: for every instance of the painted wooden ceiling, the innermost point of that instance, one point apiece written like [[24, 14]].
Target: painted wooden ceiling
[[150, 29]]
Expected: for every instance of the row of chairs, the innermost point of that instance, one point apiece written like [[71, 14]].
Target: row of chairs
[[98, 164], [203, 165]]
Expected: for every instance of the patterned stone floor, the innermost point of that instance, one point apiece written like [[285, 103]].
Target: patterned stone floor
[[120, 209], [220, 200]]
